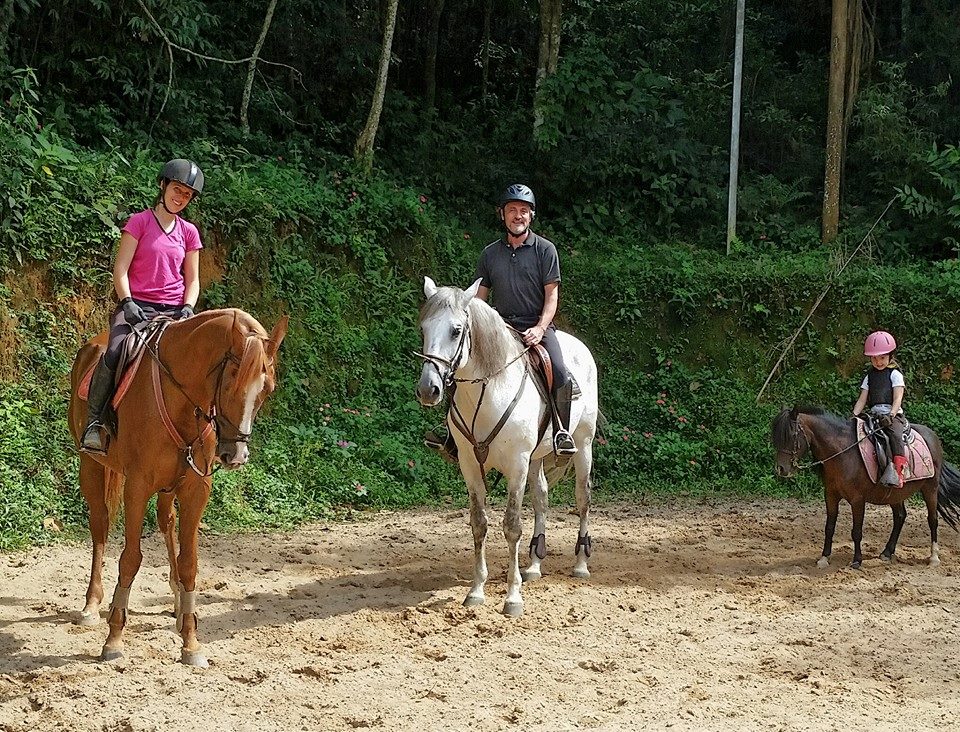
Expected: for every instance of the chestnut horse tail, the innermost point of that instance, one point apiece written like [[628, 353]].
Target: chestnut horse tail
[[112, 493], [948, 495]]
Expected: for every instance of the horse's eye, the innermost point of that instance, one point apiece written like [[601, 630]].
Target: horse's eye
[[456, 330]]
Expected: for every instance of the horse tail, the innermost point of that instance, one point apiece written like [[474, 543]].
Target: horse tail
[[948, 495], [112, 493]]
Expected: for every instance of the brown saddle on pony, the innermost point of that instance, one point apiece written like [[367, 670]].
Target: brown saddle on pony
[[876, 453]]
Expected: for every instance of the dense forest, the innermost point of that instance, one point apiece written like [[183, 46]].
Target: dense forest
[[350, 148]]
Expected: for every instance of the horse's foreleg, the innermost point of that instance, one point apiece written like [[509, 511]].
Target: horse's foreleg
[[930, 498], [93, 487], [833, 509], [513, 605], [135, 497], [857, 533], [167, 523], [478, 525], [538, 544], [583, 461], [192, 498], [899, 516]]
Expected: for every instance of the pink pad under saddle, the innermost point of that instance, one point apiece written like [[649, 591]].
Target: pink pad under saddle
[[919, 463]]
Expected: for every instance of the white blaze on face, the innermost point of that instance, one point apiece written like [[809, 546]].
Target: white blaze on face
[[253, 391]]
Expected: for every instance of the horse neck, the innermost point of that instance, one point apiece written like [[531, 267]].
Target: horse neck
[[492, 347], [195, 347], [824, 438]]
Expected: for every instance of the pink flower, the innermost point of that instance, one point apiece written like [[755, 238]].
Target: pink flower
[[626, 438], [423, 199], [466, 236], [682, 419], [648, 435], [411, 464], [693, 462], [661, 402]]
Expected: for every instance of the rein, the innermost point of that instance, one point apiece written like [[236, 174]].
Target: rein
[[796, 448]]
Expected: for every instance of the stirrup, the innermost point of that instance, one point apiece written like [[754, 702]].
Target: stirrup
[[446, 448], [94, 439], [563, 444]]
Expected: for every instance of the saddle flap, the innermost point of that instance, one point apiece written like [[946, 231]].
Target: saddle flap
[[919, 461], [543, 366], [130, 357]]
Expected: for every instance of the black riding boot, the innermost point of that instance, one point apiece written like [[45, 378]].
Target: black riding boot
[[101, 388], [563, 444], [443, 444]]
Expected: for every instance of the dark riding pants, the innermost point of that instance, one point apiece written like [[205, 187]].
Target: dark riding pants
[[120, 329], [550, 342], [896, 430]]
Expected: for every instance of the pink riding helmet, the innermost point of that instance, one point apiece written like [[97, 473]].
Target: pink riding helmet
[[879, 343]]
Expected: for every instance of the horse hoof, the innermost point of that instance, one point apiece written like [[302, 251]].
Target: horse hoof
[[581, 573], [473, 601], [193, 658], [854, 565], [823, 562], [513, 609], [110, 654], [88, 618], [934, 562], [530, 575], [888, 558]]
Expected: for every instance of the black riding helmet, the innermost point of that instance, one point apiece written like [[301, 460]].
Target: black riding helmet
[[518, 192], [183, 171]]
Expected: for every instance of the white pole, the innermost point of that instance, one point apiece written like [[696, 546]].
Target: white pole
[[735, 128]]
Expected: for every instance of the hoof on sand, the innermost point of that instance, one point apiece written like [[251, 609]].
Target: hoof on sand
[[934, 562], [88, 618], [473, 601], [110, 654], [823, 562], [530, 575], [581, 573], [193, 658], [854, 565], [513, 609]]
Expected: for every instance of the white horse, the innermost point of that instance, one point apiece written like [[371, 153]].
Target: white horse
[[501, 424]]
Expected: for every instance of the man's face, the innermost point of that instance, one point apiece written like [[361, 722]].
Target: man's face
[[517, 216]]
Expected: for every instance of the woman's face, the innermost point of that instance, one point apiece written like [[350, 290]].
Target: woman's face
[[880, 362], [176, 196]]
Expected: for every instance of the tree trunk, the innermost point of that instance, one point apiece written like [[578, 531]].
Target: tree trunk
[[248, 87], [904, 24], [485, 51], [549, 52], [6, 20], [434, 11], [835, 116], [363, 149]]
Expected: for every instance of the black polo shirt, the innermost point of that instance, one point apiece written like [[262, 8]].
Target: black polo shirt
[[516, 277]]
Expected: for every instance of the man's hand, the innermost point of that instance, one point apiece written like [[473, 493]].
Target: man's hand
[[532, 336]]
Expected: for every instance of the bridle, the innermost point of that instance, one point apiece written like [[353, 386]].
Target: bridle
[[799, 450]]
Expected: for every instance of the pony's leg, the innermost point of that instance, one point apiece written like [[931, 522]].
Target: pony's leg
[[135, 497], [538, 496], [857, 533], [93, 487], [930, 498], [192, 500], [478, 525], [833, 509], [513, 605], [583, 462], [899, 516], [167, 523]]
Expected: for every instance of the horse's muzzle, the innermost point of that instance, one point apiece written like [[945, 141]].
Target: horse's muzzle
[[232, 455], [430, 387]]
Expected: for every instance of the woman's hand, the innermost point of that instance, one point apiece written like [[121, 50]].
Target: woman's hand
[[132, 312]]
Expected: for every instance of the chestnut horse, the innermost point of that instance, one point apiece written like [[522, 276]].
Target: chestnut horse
[[190, 404], [832, 443]]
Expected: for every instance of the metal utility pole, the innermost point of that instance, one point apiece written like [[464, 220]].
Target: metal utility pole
[[735, 128]]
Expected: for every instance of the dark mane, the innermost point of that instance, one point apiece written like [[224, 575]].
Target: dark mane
[[783, 428]]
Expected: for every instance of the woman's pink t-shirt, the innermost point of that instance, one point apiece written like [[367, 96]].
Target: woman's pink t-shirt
[[156, 272]]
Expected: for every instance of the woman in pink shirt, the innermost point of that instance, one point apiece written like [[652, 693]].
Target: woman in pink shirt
[[156, 272]]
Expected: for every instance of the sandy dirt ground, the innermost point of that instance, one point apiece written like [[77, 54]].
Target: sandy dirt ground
[[696, 617]]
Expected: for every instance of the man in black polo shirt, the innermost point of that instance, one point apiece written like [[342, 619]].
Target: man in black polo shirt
[[523, 271]]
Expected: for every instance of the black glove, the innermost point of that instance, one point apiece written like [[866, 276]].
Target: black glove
[[885, 420], [132, 312], [185, 312]]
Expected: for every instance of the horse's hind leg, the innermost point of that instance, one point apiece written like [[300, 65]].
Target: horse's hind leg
[[899, 516], [93, 487], [930, 498], [538, 497], [167, 521], [833, 510], [135, 499], [192, 501], [583, 461]]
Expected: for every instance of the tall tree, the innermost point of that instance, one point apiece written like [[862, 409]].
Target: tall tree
[[835, 120], [434, 11], [363, 149], [549, 52], [252, 69]]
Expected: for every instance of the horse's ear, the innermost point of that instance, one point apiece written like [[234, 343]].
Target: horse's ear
[[276, 337], [471, 291], [429, 287]]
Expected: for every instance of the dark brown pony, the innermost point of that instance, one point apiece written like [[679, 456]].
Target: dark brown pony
[[214, 372], [832, 443]]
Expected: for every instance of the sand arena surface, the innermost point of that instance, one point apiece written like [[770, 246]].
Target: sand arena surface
[[697, 617]]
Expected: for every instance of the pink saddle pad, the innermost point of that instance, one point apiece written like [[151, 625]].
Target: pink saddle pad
[[919, 463]]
